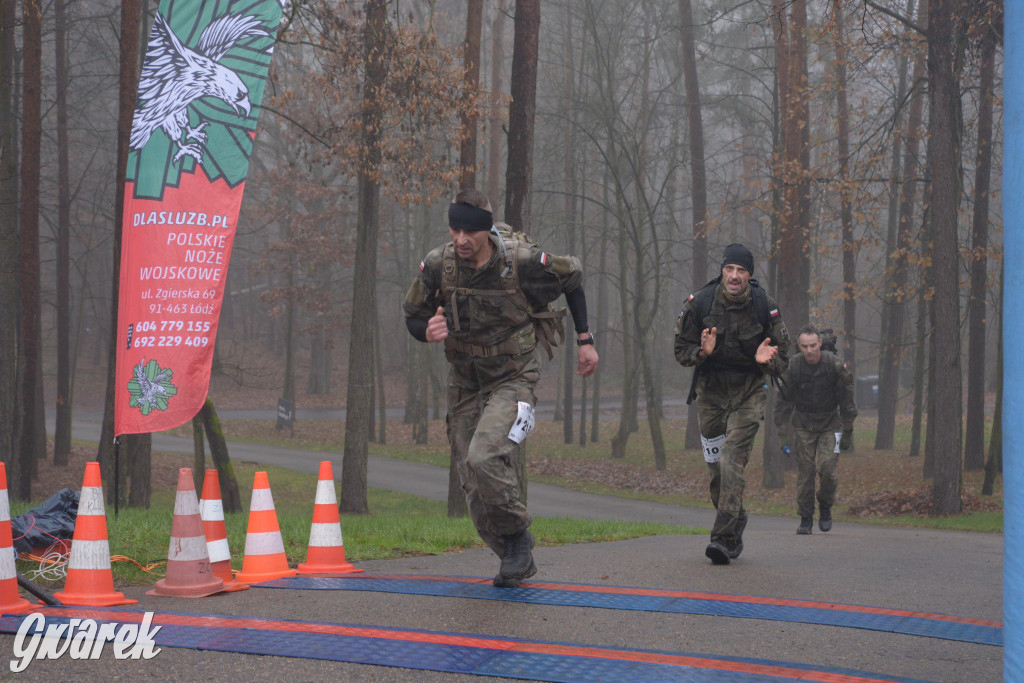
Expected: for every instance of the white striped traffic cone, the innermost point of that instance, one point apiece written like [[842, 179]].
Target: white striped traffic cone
[[90, 581], [211, 509], [265, 559], [188, 562], [326, 554], [10, 599]]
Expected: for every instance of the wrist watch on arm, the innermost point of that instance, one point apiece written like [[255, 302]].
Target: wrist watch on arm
[[586, 340]]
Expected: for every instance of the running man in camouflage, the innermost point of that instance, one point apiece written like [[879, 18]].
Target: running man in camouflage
[[818, 396], [478, 295], [733, 344]]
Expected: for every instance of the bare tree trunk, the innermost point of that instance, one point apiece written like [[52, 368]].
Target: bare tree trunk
[[920, 360], [382, 399], [994, 463], [698, 180], [944, 126], [519, 170], [30, 355], [9, 413], [653, 414], [791, 67], [897, 296], [230, 497], [471, 79], [569, 169], [845, 192], [364, 294], [140, 466], [497, 105], [974, 444], [131, 19], [602, 328], [62, 432], [288, 388], [198, 451]]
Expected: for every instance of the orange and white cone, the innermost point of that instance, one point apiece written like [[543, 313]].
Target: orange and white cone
[[188, 561], [326, 554], [10, 599], [90, 581], [211, 509], [265, 559]]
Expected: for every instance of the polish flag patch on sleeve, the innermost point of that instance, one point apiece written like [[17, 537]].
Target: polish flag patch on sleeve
[[774, 313], [690, 298], [543, 258], [422, 265]]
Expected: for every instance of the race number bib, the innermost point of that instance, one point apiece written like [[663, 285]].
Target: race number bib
[[712, 448], [839, 436], [523, 424]]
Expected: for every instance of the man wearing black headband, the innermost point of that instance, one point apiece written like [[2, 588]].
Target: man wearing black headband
[[731, 333], [479, 295]]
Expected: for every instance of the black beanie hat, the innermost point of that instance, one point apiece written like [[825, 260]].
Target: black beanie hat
[[739, 255]]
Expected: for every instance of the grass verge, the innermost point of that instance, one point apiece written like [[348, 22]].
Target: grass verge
[[399, 525]]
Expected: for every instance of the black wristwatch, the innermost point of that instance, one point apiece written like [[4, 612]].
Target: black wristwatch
[[584, 342]]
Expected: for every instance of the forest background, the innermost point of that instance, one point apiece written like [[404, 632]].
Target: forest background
[[855, 147]]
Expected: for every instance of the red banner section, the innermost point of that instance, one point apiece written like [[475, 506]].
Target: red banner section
[[174, 263], [199, 98]]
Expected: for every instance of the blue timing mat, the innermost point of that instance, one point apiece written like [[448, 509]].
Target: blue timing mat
[[448, 652], [679, 602]]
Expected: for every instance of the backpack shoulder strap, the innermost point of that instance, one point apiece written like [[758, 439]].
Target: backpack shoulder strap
[[449, 281], [704, 297], [760, 299]]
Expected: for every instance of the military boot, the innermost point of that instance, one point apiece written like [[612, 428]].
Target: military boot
[[805, 525], [517, 560], [825, 520], [717, 553]]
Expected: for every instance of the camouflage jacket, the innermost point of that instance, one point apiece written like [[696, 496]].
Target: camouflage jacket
[[487, 313], [819, 397], [730, 373]]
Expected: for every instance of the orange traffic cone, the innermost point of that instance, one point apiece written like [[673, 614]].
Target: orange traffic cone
[[264, 559], [188, 561], [211, 509], [10, 599], [326, 554], [90, 581]]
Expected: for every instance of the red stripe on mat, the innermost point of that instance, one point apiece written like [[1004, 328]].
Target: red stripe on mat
[[693, 595], [463, 641]]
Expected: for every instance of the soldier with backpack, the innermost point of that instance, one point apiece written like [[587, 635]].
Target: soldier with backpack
[[731, 333], [818, 396], [485, 295]]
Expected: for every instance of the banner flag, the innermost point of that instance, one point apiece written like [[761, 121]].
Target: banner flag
[[195, 122]]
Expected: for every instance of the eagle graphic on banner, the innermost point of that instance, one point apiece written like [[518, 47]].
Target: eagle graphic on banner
[[174, 76]]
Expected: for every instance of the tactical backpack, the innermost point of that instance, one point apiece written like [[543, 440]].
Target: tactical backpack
[[704, 297], [828, 340], [548, 321]]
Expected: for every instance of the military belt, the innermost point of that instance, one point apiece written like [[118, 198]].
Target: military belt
[[509, 347]]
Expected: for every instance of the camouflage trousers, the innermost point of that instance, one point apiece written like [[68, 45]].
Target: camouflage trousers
[[479, 420], [816, 453], [739, 423]]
